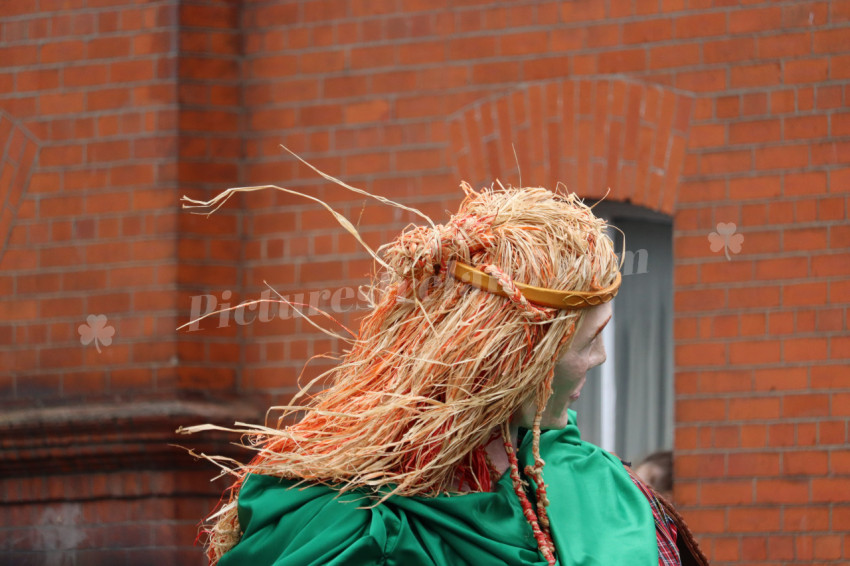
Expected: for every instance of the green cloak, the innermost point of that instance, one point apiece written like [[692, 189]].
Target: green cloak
[[598, 517]]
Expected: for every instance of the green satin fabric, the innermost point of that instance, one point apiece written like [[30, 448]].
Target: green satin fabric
[[597, 514]]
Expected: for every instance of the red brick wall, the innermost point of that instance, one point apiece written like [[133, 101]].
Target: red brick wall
[[208, 155], [90, 166], [117, 518], [713, 111], [92, 84]]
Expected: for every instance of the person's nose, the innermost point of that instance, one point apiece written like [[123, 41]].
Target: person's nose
[[598, 354]]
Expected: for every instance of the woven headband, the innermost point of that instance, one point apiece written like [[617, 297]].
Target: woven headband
[[537, 295]]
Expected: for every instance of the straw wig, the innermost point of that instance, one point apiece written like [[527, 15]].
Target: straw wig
[[439, 366]]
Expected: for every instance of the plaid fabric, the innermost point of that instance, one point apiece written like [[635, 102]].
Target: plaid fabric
[[665, 527]]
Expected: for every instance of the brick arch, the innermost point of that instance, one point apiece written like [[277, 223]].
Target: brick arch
[[18, 154], [588, 134]]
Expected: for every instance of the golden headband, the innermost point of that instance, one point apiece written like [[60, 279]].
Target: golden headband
[[537, 295]]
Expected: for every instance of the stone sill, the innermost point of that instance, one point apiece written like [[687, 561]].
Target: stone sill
[[115, 436]]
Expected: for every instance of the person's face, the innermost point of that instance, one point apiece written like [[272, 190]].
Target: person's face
[[586, 351]]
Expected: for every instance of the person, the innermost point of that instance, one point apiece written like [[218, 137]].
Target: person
[[446, 435], [656, 470]]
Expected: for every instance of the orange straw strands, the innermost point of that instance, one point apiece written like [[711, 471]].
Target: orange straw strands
[[439, 366]]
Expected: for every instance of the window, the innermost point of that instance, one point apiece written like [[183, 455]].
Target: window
[[626, 406]]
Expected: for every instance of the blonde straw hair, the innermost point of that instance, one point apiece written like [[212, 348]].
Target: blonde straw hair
[[439, 367]]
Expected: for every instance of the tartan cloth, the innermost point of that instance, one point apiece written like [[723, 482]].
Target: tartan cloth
[[665, 527]]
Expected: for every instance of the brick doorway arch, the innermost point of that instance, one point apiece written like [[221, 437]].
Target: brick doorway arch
[[588, 134]]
